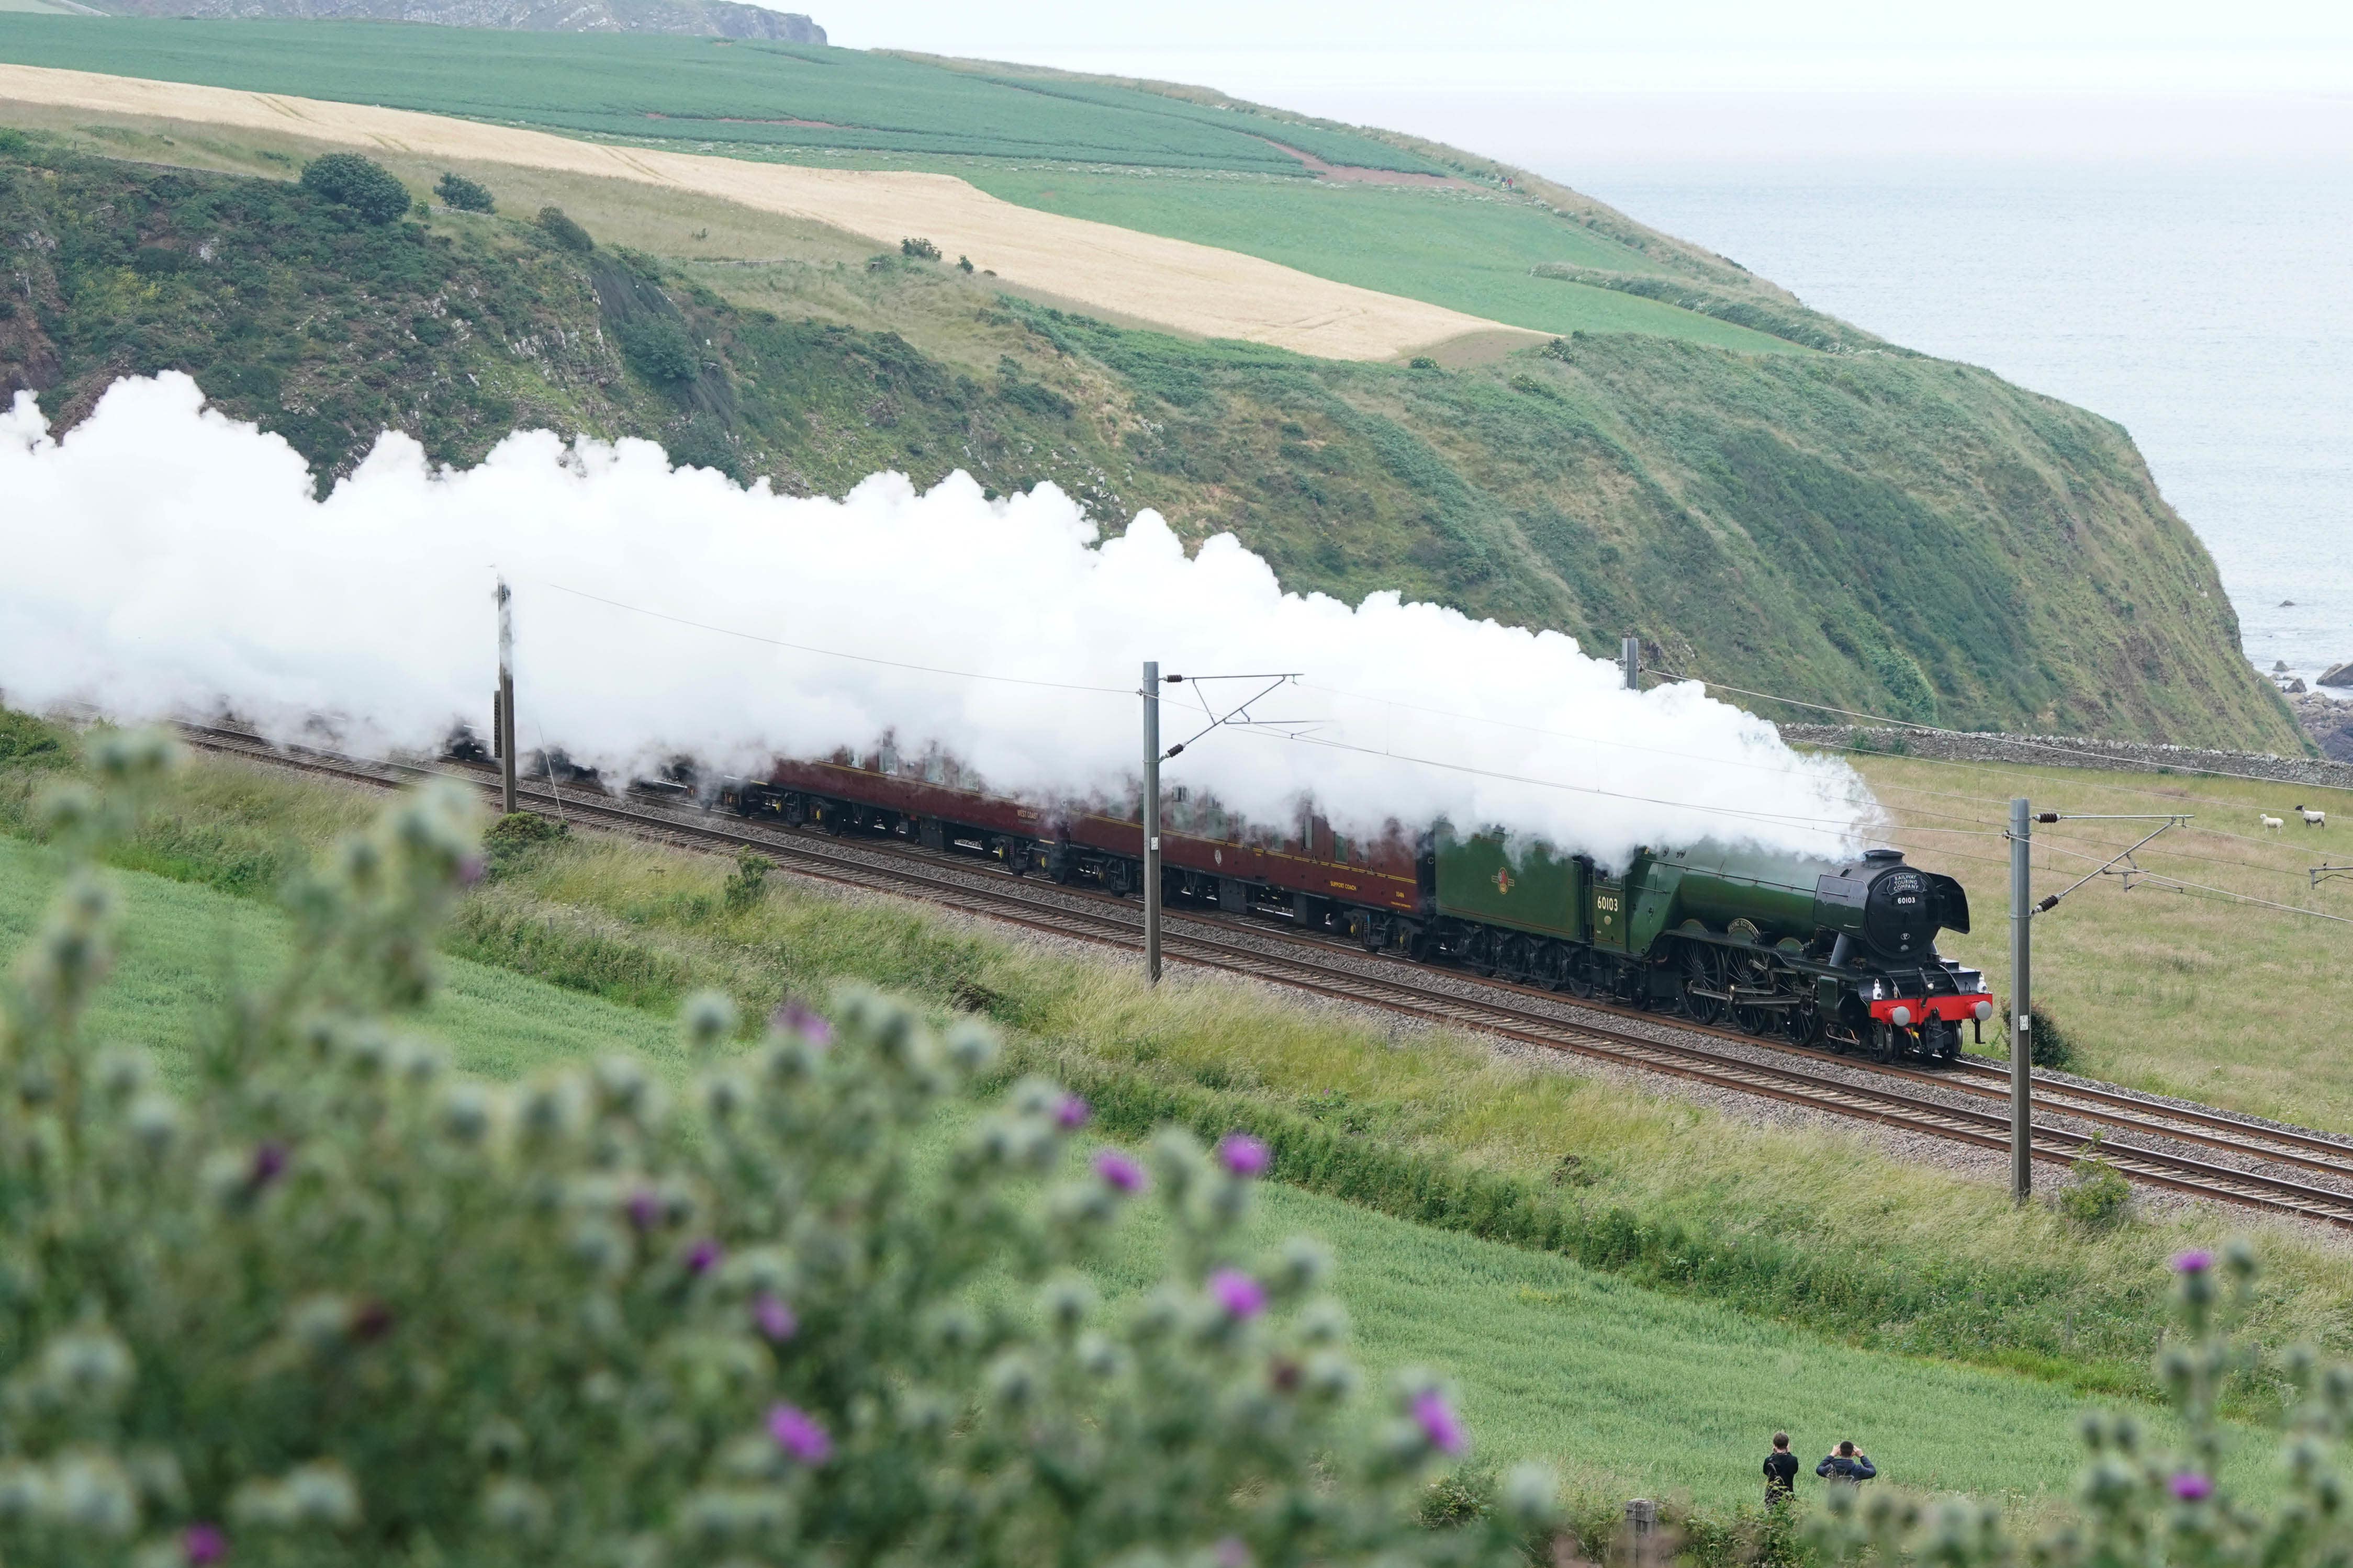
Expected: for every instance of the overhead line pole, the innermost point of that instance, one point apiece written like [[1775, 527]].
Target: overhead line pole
[[2022, 982], [506, 715], [1629, 654], [2023, 908], [1152, 822]]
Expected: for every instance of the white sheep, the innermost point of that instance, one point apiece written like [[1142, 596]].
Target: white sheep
[[2273, 823], [2313, 818]]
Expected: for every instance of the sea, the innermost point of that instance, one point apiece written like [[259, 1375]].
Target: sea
[[2205, 305]]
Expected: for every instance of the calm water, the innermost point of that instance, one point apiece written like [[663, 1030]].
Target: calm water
[[2207, 309]]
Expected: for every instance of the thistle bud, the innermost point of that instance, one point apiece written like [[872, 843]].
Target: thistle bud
[[1531, 1496], [1012, 1381], [971, 1047], [514, 1507], [710, 1020], [92, 1495], [1067, 1302]]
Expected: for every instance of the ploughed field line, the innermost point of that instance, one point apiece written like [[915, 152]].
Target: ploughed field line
[[1955, 1109]]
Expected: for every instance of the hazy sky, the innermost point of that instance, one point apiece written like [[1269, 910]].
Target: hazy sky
[[1712, 77]]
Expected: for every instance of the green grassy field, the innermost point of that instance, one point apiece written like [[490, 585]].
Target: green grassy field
[[759, 97], [1469, 249], [188, 949], [2186, 992], [1042, 141], [1627, 1390]]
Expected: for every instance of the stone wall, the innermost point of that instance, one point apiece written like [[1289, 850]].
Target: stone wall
[[2068, 751]]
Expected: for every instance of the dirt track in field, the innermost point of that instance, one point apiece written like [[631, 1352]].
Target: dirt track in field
[[1193, 289]]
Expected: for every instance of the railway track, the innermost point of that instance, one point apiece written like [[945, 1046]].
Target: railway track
[[1891, 1096]]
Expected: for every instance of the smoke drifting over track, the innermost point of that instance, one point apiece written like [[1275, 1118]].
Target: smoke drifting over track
[[163, 559]]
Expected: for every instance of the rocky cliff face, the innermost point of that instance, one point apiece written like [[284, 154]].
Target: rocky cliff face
[[703, 19]]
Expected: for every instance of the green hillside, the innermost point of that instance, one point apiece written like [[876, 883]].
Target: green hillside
[[1886, 532]]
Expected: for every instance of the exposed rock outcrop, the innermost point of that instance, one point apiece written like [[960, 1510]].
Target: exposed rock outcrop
[[703, 18]]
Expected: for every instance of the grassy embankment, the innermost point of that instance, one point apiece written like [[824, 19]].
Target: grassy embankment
[[2188, 993], [1628, 1391], [1816, 1228], [1899, 535]]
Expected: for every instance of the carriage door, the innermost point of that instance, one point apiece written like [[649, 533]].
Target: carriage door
[[1610, 912]]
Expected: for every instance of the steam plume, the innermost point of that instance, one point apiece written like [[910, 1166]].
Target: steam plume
[[166, 559]]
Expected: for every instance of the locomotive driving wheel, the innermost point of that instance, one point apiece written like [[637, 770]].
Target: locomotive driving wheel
[[1752, 971], [1577, 972], [1704, 972], [1511, 959]]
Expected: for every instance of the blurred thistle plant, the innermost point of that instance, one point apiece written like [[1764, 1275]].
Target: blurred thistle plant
[[337, 1304], [2138, 1505]]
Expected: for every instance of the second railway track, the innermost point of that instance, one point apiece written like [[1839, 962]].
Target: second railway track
[[1307, 963]]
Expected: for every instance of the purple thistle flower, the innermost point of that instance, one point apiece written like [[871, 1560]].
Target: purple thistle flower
[[1237, 1293], [203, 1543], [2191, 1487], [1233, 1553], [2194, 1262], [799, 1434], [793, 1019], [704, 1256], [776, 1319], [1437, 1423], [269, 1163], [1072, 1113], [1119, 1172], [645, 1208], [1243, 1156]]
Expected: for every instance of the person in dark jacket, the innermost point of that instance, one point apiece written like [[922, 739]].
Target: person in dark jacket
[[1781, 1471], [1846, 1465]]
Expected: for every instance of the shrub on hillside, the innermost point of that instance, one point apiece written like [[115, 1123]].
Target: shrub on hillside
[[919, 250], [333, 1303], [553, 223], [456, 191], [657, 348], [360, 183]]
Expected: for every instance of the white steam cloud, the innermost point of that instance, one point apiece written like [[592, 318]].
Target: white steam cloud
[[162, 559]]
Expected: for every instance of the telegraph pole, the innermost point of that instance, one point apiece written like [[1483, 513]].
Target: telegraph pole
[[506, 716], [1152, 822], [2022, 985], [1629, 654]]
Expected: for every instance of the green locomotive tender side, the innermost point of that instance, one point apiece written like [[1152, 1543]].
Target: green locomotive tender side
[[1816, 951]]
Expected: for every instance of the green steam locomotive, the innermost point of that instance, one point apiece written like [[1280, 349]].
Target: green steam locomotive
[[1842, 954]]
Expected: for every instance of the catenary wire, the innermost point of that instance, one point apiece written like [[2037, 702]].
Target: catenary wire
[[836, 653]]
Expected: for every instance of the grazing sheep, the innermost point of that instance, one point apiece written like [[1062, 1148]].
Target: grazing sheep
[[2313, 818], [2273, 823]]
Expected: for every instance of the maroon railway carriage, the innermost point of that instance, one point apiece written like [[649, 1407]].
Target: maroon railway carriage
[[1318, 879]]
